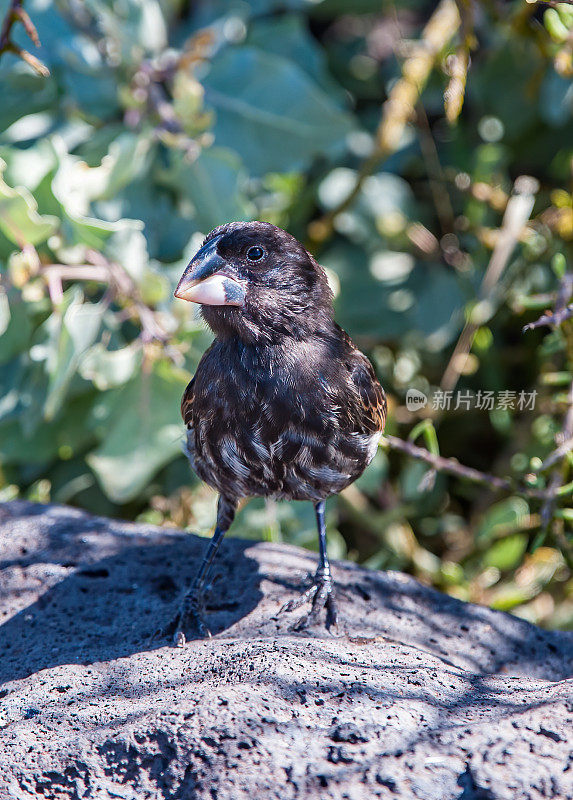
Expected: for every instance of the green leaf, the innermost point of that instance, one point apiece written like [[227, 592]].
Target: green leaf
[[213, 183], [64, 436], [504, 518], [510, 596], [19, 218], [109, 368], [288, 36], [15, 327], [271, 112], [76, 186], [390, 295], [72, 330], [17, 448], [552, 20], [23, 92], [145, 433], [507, 552], [127, 245], [28, 167]]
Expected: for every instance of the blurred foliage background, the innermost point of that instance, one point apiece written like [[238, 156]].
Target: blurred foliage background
[[422, 150]]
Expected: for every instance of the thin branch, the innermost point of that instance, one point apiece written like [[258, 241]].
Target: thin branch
[[150, 81], [562, 311], [559, 453], [9, 20], [556, 482], [552, 3], [104, 271], [457, 65], [440, 194], [551, 318], [16, 13], [516, 214], [150, 328], [399, 107], [453, 467]]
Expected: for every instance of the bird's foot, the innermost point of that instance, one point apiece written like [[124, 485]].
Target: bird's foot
[[321, 594], [188, 623]]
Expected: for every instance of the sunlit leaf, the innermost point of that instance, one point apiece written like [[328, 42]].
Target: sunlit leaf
[[72, 330], [506, 553], [19, 218], [503, 518], [109, 368], [144, 433], [15, 327], [271, 112], [289, 36], [214, 183]]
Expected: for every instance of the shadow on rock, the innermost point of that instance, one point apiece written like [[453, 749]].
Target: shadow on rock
[[100, 609]]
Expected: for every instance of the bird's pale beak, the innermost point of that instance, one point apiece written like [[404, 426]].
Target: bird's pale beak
[[207, 281]]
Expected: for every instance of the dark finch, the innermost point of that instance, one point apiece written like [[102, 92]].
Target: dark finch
[[282, 404]]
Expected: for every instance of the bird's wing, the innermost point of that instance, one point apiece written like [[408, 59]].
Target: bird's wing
[[367, 408], [187, 403], [370, 411]]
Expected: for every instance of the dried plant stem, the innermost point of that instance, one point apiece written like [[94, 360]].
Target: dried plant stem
[[400, 105], [552, 3], [438, 188], [562, 312], [104, 271], [516, 214], [564, 440], [453, 467], [558, 454], [16, 13]]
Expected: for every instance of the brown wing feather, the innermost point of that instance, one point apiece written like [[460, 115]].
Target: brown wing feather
[[368, 412], [372, 408], [187, 403]]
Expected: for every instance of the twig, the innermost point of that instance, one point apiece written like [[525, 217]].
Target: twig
[[551, 318], [562, 311], [453, 467], [457, 65], [81, 272], [559, 453], [440, 194], [104, 271], [556, 482], [552, 3], [516, 214], [149, 81], [399, 107], [16, 13], [150, 328]]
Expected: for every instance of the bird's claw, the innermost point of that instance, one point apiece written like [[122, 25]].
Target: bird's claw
[[188, 619], [321, 595]]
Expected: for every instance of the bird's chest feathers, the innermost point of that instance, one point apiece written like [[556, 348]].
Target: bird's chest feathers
[[267, 386], [266, 424]]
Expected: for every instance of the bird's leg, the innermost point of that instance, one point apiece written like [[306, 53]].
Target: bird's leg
[[321, 591], [190, 611]]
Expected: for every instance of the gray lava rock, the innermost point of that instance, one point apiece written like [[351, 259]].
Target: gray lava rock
[[420, 696]]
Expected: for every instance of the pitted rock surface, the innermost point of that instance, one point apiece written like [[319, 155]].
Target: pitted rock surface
[[419, 696]]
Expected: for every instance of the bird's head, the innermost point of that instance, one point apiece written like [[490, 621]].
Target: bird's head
[[256, 282]]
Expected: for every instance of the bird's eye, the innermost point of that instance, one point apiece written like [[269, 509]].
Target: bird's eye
[[255, 253]]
